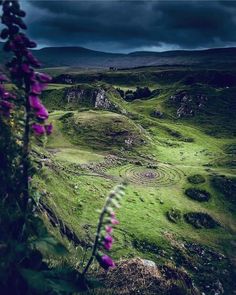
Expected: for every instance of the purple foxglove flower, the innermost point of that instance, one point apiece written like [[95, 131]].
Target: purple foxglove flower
[[107, 245], [32, 60], [108, 239], [2, 90], [44, 77], [6, 105], [3, 78], [15, 70], [49, 128], [38, 129], [32, 77], [109, 229], [18, 38], [12, 46], [6, 94], [42, 113], [105, 261], [35, 102], [37, 88], [114, 221], [25, 68]]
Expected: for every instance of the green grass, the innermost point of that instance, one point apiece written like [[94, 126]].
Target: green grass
[[101, 130], [188, 158], [179, 147]]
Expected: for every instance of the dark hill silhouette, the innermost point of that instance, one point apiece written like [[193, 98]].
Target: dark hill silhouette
[[83, 57]]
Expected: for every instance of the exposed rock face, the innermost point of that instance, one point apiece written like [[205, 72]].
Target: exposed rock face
[[129, 142], [188, 105], [101, 101], [96, 98], [74, 95]]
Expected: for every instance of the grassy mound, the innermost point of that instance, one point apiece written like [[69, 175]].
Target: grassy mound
[[102, 130], [198, 195], [196, 179], [200, 220]]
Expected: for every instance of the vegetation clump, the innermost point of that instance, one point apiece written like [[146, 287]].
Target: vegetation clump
[[227, 186], [198, 195], [138, 276], [196, 179], [139, 93], [200, 220], [157, 114], [146, 246], [174, 215]]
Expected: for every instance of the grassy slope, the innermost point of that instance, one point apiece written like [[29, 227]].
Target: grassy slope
[[76, 196], [188, 162]]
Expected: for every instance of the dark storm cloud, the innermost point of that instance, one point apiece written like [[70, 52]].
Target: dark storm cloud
[[127, 25]]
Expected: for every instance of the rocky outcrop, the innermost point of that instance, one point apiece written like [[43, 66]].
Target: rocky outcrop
[[101, 100], [188, 105], [90, 97], [74, 95]]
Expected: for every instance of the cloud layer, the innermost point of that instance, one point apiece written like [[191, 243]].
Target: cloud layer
[[124, 26]]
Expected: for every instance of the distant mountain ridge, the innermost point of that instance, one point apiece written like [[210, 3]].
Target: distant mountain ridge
[[83, 57]]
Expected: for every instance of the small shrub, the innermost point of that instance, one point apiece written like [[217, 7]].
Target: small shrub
[[198, 195], [196, 179], [188, 139], [146, 246], [174, 215], [200, 220], [66, 116]]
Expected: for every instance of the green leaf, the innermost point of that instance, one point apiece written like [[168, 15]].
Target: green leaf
[[49, 282], [48, 244]]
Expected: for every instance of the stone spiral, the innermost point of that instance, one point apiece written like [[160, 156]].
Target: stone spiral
[[163, 175]]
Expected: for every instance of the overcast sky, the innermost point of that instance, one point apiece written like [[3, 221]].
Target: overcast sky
[[125, 26]]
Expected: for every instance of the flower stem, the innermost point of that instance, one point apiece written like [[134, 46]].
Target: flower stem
[[26, 151], [99, 227]]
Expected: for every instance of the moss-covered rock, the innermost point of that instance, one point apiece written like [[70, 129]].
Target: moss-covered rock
[[198, 195], [196, 179], [200, 220], [174, 215]]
